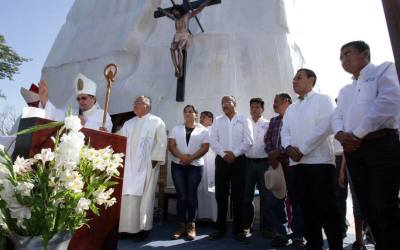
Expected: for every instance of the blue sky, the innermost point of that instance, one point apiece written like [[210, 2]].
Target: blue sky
[[320, 28], [30, 28]]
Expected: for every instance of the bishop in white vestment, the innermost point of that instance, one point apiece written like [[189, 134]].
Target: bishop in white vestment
[[145, 152], [90, 113]]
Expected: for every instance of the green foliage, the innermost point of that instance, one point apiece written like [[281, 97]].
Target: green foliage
[[9, 61]]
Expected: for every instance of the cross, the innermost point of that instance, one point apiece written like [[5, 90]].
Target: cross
[[187, 6]]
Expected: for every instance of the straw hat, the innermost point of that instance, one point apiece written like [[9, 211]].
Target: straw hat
[[275, 181]]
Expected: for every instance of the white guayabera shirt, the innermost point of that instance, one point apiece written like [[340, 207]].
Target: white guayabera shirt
[[306, 125], [259, 129], [369, 103], [234, 135]]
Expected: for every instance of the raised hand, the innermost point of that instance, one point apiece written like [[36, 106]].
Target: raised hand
[[43, 92]]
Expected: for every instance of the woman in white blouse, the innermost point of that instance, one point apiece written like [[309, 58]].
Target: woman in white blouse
[[187, 143]]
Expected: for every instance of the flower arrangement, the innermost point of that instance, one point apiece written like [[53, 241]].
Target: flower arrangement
[[52, 192]]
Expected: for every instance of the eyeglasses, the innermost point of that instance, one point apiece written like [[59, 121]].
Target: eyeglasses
[[82, 98]]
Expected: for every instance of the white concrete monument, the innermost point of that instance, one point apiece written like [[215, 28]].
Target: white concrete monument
[[245, 51]]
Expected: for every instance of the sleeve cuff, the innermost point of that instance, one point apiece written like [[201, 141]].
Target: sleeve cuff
[[303, 150], [360, 133], [222, 154], [157, 159], [237, 153]]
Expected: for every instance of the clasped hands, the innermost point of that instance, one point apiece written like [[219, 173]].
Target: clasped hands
[[349, 141], [185, 159], [229, 157], [294, 153]]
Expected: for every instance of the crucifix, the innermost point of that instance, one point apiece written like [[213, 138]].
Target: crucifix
[[181, 14]]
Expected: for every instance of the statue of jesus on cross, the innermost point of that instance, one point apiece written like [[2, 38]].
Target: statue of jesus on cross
[[182, 36]]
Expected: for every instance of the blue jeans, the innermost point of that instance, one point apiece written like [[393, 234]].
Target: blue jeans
[[186, 180], [276, 214]]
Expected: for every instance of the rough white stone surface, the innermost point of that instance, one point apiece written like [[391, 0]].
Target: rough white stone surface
[[245, 51]]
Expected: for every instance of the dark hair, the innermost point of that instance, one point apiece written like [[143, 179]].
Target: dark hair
[[178, 8], [360, 46], [309, 73], [208, 114], [190, 106], [285, 96], [257, 100]]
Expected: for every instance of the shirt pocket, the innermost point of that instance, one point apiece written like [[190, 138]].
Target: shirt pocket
[[238, 128], [367, 92]]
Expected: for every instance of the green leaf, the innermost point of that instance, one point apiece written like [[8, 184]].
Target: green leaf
[[94, 209], [9, 60], [40, 127]]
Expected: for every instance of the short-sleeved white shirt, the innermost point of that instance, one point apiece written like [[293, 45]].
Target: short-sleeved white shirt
[[198, 137]]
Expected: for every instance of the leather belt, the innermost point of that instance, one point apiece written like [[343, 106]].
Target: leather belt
[[380, 133], [257, 159]]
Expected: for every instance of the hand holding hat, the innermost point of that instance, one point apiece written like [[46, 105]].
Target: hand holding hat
[[43, 92], [275, 181]]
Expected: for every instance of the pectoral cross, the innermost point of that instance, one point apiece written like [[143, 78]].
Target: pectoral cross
[[180, 61]]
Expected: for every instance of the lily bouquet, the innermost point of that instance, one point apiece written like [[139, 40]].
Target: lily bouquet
[[53, 191]]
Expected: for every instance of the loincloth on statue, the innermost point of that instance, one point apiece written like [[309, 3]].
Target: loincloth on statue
[[182, 36]]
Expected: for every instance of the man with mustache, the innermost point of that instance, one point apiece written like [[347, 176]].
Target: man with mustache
[[231, 137]]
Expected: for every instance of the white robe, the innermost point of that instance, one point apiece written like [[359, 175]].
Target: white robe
[[147, 142], [207, 208], [93, 116]]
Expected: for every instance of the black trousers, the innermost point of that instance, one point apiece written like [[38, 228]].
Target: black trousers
[[316, 189], [341, 195], [375, 172], [230, 179]]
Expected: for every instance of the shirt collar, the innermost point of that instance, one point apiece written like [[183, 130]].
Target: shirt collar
[[307, 96], [233, 117], [144, 117], [366, 73], [258, 121]]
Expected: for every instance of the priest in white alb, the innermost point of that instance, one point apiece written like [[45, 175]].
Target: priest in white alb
[[145, 153], [89, 111]]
